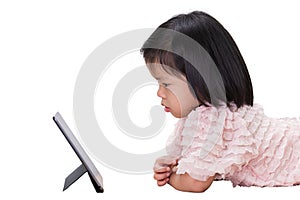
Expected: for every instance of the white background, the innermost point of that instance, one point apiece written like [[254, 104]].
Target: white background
[[42, 47]]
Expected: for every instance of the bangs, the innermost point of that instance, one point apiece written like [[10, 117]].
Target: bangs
[[168, 61]]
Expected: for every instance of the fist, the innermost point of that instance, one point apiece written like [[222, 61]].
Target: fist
[[163, 168]]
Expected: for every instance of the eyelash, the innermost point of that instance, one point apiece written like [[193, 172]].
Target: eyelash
[[165, 84]]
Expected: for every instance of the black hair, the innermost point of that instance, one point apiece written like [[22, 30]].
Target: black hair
[[218, 44]]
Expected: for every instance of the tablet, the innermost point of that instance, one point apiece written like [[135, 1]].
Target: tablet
[[87, 164]]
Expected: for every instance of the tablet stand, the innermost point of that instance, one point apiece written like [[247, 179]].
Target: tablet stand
[[76, 174]]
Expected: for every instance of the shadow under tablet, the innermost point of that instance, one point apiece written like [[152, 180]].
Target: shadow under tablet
[[86, 166]]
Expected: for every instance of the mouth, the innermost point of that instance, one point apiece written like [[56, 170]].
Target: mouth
[[167, 109]]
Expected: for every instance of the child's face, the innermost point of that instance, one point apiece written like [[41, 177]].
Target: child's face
[[174, 92]]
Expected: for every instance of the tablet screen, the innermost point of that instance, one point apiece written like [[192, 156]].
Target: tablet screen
[[86, 161]]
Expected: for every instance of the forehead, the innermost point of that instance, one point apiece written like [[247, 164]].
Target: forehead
[[158, 71]]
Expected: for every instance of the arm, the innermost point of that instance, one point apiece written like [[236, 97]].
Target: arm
[[185, 183], [165, 172]]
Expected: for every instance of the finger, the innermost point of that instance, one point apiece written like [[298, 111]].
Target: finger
[[161, 176], [163, 182], [166, 160], [161, 169]]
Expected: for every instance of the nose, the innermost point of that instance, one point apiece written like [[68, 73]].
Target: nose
[[161, 92]]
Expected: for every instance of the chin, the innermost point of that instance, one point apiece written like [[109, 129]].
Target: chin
[[176, 115], [180, 115]]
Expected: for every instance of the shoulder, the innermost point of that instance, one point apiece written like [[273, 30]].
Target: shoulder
[[211, 114], [226, 125]]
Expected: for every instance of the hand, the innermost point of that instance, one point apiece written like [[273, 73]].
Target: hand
[[163, 168]]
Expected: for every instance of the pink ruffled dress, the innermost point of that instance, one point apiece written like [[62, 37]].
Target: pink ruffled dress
[[241, 145]]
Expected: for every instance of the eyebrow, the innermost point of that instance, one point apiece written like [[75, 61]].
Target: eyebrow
[[160, 78]]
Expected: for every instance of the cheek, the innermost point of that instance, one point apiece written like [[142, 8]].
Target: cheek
[[185, 99], [182, 94], [176, 95]]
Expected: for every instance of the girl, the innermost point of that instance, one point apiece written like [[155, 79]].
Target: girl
[[221, 134]]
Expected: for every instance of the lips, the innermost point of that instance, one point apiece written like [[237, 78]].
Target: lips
[[167, 109]]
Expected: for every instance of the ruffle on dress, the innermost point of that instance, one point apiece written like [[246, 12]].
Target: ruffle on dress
[[242, 145]]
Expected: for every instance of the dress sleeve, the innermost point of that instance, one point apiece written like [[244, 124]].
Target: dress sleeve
[[215, 141]]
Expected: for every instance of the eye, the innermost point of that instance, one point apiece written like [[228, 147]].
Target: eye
[[165, 84]]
